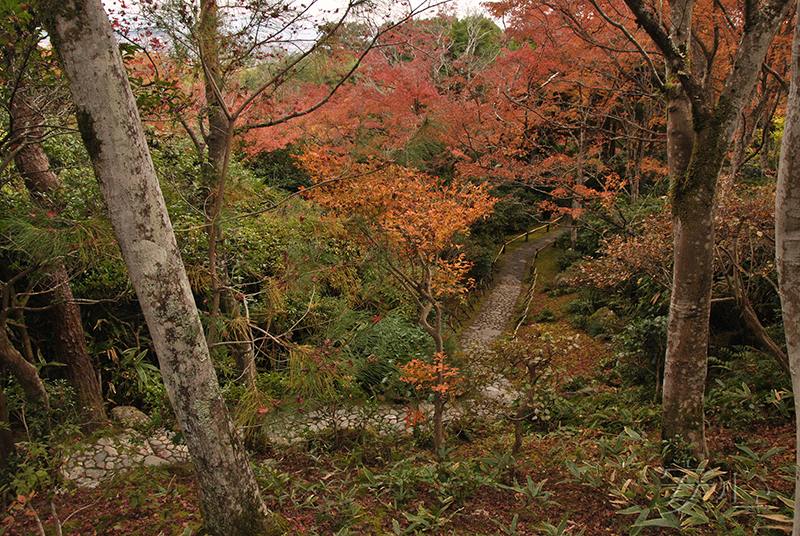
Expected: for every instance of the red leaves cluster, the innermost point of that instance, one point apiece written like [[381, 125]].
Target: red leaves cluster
[[745, 223], [649, 252]]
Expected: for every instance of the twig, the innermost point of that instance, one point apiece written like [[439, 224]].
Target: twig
[[54, 514]]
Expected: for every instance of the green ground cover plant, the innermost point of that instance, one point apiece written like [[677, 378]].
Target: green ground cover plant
[[595, 468]]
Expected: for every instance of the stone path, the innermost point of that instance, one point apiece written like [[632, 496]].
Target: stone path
[[495, 313], [91, 464], [99, 461]]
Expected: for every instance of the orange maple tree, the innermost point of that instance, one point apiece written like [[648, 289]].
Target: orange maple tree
[[549, 114], [413, 219]]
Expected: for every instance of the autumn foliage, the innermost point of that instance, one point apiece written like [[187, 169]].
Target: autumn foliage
[[410, 214], [412, 220], [437, 376]]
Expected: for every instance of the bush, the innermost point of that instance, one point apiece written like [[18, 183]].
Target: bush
[[584, 306], [748, 387], [643, 346], [381, 347], [567, 258], [586, 244]]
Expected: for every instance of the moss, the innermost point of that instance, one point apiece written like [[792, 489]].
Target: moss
[[88, 134], [202, 410], [683, 435], [48, 11], [695, 188], [276, 525]]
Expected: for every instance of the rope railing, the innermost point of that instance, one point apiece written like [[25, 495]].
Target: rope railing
[[526, 234], [467, 306]]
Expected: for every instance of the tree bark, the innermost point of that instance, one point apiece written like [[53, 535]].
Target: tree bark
[[680, 130], [700, 128], [112, 132], [683, 418], [65, 318], [25, 373], [787, 238], [69, 342]]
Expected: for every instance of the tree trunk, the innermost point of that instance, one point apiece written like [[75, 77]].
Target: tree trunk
[[25, 373], [243, 350], [787, 238], [683, 421], [70, 346], [24, 336], [685, 368], [65, 318], [435, 331], [218, 143], [579, 180], [680, 129], [422, 293], [112, 132], [766, 148], [699, 132], [31, 161]]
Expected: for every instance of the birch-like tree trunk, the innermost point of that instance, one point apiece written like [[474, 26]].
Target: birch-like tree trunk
[[112, 132], [787, 236]]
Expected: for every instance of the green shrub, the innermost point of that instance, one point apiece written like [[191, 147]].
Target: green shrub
[[642, 349], [567, 258], [383, 345], [581, 309], [748, 387]]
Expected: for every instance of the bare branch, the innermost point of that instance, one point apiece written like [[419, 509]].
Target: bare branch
[[635, 42]]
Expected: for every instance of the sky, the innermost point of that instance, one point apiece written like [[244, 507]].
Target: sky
[[464, 7], [128, 8]]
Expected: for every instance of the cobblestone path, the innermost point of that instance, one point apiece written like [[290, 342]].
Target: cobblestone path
[[94, 463], [496, 311]]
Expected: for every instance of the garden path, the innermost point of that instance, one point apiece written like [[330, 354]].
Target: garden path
[[496, 311], [91, 464]]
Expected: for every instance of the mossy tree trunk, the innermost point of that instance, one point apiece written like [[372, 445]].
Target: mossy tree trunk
[[112, 133], [701, 125], [787, 236]]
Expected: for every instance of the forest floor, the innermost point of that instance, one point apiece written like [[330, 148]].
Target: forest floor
[[590, 469]]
